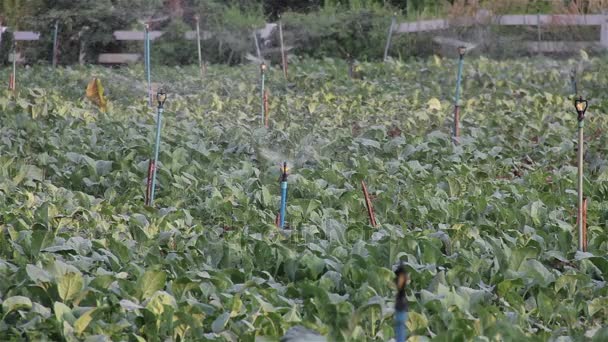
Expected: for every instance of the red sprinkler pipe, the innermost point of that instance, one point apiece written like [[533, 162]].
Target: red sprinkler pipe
[[266, 109], [370, 206], [585, 225]]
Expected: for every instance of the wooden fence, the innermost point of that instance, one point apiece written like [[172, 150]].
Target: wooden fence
[[483, 18], [538, 20]]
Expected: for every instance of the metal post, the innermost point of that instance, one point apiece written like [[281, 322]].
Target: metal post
[[283, 55], [198, 42], [389, 38], [55, 47], [456, 131], [283, 196], [147, 62], [401, 305]]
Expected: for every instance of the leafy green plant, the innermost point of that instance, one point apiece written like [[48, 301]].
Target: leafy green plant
[[485, 229]]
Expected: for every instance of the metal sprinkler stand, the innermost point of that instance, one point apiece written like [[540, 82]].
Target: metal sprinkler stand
[[456, 131], [581, 107], [161, 97], [283, 209], [263, 90], [401, 305]]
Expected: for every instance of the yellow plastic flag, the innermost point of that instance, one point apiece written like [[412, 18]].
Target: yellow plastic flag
[[95, 94]]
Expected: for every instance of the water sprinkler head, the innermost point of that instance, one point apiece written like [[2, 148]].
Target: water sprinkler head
[[263, 67], [401, 278], [284, 172], [161, 97], [462, 50], [197, 17], [581, 107]]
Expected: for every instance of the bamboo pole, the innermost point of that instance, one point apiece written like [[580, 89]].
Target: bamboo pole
[[283, 55]]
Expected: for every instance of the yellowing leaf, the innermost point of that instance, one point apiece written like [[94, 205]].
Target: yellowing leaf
[[95, 94], [434, 103]]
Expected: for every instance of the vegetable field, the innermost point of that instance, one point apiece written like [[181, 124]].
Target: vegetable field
[[485, 228]]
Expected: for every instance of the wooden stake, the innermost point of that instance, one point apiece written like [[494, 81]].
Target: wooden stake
[[369, 205]]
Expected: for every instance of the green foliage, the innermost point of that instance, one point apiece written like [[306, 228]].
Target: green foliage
[[485, 228]]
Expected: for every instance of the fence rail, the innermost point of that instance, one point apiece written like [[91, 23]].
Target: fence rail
[[482, 18]]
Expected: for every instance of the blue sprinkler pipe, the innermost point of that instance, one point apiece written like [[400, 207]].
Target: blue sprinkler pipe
[[456, 131], [147, 61], [161, 97], [263, 76], [401, 305], [282, 213]]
